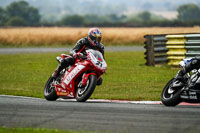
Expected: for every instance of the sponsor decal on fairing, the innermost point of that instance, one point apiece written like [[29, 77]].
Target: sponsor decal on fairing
[[73, 73]]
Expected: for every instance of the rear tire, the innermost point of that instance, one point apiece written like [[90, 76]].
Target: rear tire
[[172, 99], [82, 94], [49, 90]]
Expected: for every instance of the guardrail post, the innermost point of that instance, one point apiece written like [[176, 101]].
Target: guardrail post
[[149, 50]]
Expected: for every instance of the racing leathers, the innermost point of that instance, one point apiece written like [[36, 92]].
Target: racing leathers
[[193, 64], [80, 47]]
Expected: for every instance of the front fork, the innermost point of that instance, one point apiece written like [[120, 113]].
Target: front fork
[[85, 78]]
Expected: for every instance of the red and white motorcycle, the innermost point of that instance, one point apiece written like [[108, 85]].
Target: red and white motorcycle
[[77, 81]]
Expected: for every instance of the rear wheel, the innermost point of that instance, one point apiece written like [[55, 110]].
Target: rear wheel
[[49, 90], [83, 93], [170, 97]]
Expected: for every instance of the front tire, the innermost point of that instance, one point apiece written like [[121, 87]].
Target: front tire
[[49, 90], [170, 99], [82, 94]]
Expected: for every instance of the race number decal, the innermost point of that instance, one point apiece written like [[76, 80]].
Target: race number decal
[[99, 64]]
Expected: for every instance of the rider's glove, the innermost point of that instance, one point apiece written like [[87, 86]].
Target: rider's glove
[[79, 55], [76, 55]]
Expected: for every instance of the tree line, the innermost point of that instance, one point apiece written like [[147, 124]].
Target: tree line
[[20, 13]]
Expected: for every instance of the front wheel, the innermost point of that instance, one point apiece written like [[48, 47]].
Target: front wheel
[[83, 93], [170, 97], [49, 91]]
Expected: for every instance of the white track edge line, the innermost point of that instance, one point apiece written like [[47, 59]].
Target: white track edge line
[[91, 100]]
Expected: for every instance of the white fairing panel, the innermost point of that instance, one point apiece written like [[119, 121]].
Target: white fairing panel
[[97, 59], [73, 73]]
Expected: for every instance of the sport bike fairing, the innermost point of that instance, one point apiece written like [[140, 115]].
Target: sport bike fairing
[[97, 59], [94, 58]]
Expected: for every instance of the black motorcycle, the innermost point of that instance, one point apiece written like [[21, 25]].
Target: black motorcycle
[[175, 92]]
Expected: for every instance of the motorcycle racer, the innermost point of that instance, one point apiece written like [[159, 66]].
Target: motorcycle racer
[[92, 41], [193, 64], [184, 86]]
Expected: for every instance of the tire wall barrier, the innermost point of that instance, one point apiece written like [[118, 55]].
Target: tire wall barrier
[[170, 49]]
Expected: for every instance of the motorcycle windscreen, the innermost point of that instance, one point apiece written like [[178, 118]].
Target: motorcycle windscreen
[[98, 56], [97, 59]]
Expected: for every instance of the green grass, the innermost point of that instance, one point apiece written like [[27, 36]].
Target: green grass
[[35, 130], [127, 77]]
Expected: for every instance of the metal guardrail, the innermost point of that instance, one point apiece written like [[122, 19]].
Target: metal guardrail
[[176, 48], [171, 49], [192, 45]]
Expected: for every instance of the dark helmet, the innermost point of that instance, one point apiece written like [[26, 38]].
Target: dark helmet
[[94, 36]]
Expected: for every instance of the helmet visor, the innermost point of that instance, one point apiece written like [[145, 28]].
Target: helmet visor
[[95, 39]]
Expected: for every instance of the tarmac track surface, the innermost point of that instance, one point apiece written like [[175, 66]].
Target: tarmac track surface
[[98, 116], [45, 50], [114, 117]]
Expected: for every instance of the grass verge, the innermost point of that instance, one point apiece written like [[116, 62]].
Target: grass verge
[[35, 130], [127, 77]]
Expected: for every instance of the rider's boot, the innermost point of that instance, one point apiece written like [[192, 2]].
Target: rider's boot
[[57, 71], [63, 64]]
